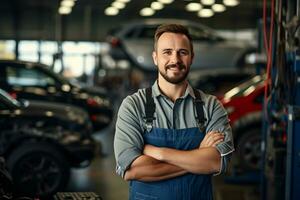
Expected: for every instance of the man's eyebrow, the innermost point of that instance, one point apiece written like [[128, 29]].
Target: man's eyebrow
[[167, 49], [183, 50]]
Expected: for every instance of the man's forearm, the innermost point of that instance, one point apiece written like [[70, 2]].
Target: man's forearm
[[199, 161], [146, 168]]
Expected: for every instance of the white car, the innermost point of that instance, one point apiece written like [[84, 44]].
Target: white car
[[134, 42]]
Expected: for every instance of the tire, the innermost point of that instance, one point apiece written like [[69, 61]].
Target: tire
[[249, 149], [38, 169]]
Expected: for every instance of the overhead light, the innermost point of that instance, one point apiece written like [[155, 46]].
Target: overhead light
[[165, 1], [205, 13], [111, 11], [157, 5], [123, 1], [218, 8], [67, 3], [207, 2], [147, 12], [118, 4], [231, 2], [193, 7], [64, 10]]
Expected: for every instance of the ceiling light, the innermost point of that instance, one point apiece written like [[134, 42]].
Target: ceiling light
[[208, 2], [118, 4], [64, 10], [218, 8], [231, 2], [67, 3], [111, 11], [157, 5], [123, 1], [147, 12], [192, 7], [205, 13], [165, 1]]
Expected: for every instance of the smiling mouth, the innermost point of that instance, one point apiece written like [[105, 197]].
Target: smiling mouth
[[175, 67]]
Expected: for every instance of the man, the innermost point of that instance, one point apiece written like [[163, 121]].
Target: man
[[171, 138]]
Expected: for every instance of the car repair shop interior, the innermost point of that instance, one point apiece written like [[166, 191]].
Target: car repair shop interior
[[67, 65]]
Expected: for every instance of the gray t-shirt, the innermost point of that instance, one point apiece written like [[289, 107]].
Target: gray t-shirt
[[181, 114]]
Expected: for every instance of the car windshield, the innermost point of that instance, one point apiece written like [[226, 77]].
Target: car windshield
[[245, 88]]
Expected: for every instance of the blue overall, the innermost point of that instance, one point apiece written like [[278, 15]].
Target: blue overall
[[186, 187]]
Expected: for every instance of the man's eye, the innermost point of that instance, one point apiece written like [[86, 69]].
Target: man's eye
[[167, 52], [183, 53]]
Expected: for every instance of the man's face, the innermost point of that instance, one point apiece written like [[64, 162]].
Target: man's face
[[173, 57]]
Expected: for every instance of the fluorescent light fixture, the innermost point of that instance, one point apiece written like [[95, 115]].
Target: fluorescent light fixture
[[67, 3], [123, 1], [193, 7], [205, 13], [147, 12], [207, 2], [111, 11], [165, 1], [118, 4], [157, 5], [231, 3], [64, 10], [218, 8]]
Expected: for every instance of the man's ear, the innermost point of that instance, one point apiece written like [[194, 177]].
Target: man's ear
[[154, 57]]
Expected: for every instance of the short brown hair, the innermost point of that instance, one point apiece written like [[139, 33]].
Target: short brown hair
[[172, 28]]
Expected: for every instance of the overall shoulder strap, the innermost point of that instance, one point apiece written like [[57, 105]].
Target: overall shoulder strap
[[149, 109], [199, 109]]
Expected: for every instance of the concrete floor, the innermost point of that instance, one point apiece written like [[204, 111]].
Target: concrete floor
[[100, 177]]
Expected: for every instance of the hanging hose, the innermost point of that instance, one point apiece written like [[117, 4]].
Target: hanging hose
[[268, 47]]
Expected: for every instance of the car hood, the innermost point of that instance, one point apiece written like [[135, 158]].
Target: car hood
[[64, 112], [92, 90]]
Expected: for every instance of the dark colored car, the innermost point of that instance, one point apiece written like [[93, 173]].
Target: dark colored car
[[34, 81], [244, 106], [41, 142], [133, 42]]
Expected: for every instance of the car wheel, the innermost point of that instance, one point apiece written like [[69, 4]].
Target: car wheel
[[249, 149], [38, 169]]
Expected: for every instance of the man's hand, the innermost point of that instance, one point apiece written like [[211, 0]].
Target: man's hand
[[211, 139]]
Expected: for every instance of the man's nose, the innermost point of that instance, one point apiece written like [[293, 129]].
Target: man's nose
[[175, 58]]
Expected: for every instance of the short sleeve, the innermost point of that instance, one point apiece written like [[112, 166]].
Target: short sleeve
[[218, 121], [128, 140]]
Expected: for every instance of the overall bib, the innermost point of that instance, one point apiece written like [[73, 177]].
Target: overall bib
[[186, 187]]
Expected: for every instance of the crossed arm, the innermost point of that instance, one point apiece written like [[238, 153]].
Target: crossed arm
[[163, 163]]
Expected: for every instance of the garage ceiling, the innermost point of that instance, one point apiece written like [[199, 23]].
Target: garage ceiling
[[39, 19]]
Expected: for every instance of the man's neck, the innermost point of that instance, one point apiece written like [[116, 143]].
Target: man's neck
[[172, 91]]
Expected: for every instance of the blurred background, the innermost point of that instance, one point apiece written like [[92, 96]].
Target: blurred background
[[66, 65]]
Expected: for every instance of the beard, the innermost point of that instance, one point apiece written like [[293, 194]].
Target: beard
[[181, 77]]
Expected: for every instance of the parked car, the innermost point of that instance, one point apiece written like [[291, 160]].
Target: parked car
[[133, 41], [244, 106], [218, 83], [41, 142], [35, 81]]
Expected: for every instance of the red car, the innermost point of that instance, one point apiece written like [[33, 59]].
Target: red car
[[244, 106]]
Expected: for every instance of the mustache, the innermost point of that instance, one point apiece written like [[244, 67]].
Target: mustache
[[179, 65]]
